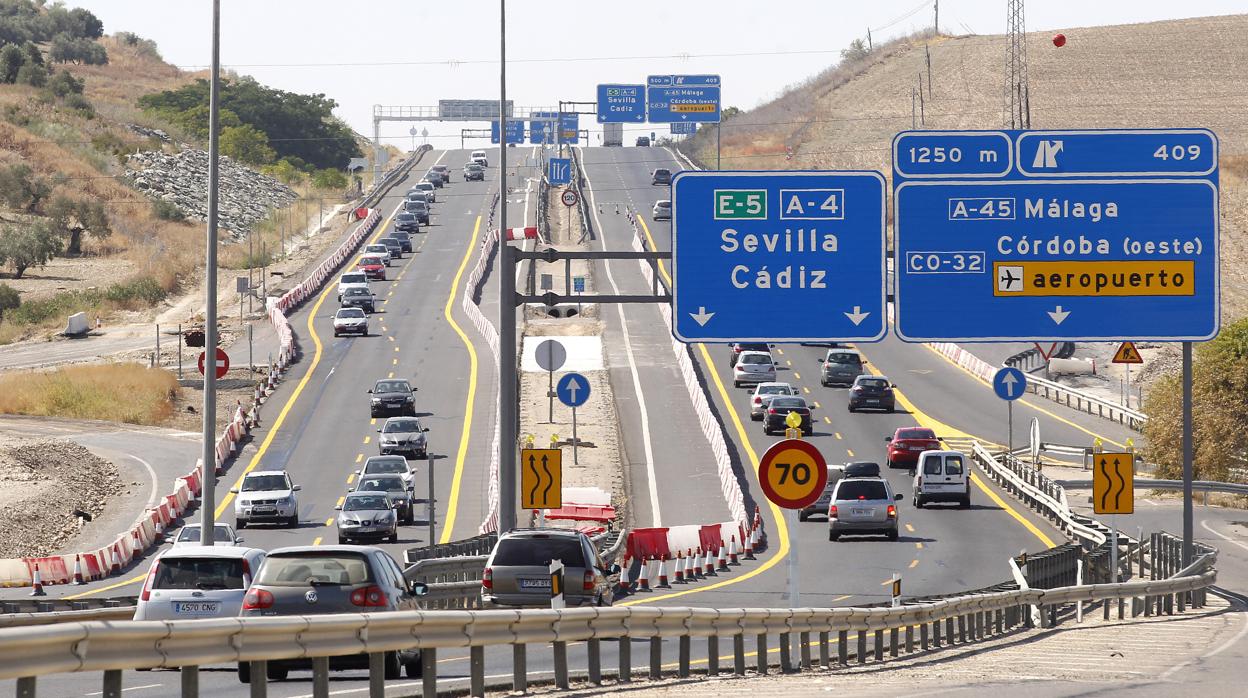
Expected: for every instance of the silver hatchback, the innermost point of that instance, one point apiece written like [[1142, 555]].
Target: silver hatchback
[[863, 505], [753, 367], [518, 570]]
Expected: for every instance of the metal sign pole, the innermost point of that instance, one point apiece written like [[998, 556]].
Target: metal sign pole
[[575, 441], [1009, 421], [433, 517], [507, 393], [791, 520], [1187, 453], [208, 514], [1113, 548]]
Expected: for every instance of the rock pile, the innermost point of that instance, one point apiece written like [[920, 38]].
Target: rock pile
[[182, 179], [42, 483]]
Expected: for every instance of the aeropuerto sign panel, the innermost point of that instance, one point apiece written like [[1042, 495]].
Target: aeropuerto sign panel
[[1056, 235]]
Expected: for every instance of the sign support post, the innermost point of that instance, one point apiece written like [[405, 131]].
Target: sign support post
[[208, 475], [573, 391], [507, 391], [1187, 453]]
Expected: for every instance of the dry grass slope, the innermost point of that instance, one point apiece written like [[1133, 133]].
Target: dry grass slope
[[126, 393]]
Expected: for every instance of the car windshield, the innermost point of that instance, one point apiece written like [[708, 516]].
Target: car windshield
[[758, 346], [390, 242], [198, 573], [354, 279], [788, 402], [399, 426], [663, 204], [363, 502], [382, 484], [385, 466], [416, 205], [473, 166], [392, 387], [356, 292], [756, 359], [843, 358], [350, 313], [873, 382], [425, 186], [190, 534], [405, 216], [377, 247], [916, 434], [662, 173], [263, 483], [538, 550], [861, 489], [373, 260], [304, 568]]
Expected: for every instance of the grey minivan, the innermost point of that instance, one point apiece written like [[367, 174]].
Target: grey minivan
[[518, 570], [841, 367], [316, 580], [863, 505]]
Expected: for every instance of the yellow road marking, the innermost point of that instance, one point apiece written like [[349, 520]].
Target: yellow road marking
[[918, 545], [829, 421], [395, 362], [396, 349], [367, 439], [391, 375], [806, 390], [851, 453], [780, 351], [317, 540], [886, 582], [340, 501], [373, 421], [461, 454], [359, 457], [790, 363], [914, 563], [817, 406], [118, 585], [350, 478], [390, 337], [838, 434], [329, 522], [797, 375], [909, 528]]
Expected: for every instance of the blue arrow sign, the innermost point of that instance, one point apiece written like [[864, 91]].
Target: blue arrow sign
[[778, 256], [559, 171], [572, 389], [515, 132], [672, 98], [1009, 383], [621, 104], [1056, 235], [683, 127]]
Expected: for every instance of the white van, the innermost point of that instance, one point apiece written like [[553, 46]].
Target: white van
[[478, 156], [941, 476]]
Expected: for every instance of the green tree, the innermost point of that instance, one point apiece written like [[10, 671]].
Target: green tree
[[21, 189], [167, 211], [33, 74], [67, 49], [285, 171], [11, 61], [62, 84], [857, 50], [9, 299], [247, 144], [33, 55], [329, 179], [27, 245], [71, 218]]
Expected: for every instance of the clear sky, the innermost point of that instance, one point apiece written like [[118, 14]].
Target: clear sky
[[415, 52]]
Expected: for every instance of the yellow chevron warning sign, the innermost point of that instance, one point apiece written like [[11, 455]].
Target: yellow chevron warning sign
[[1113, 483], [1127, 354]]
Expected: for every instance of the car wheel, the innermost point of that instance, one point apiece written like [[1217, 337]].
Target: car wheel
[[393, 670], [918, 502], [240, 524], [833, 536], [335, 333], [736, 384], [892, 409], [342, 540], [888, 463], [965, 502], [414, 667], [393, 538], [372, 413], [276, 673], [293, 521], [802, 516], [892, 535], [823, 383], [851, 408], [756, 417], [809, 432], [244, 672]]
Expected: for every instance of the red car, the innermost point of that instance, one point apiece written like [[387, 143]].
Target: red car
[[905, 445], [374, 267]]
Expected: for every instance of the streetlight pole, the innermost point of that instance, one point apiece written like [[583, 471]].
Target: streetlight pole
[[507, 398], [208, 514]]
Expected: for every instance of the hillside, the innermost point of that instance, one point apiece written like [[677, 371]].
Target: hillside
[[1161, 74]]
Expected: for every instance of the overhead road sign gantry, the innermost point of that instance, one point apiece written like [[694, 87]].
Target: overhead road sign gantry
[[682, 98], [778, 256], [621, 104], [1056, 235]]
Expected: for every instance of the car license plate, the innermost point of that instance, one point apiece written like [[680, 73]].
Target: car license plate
[[264, 510], [535, 583], [872, 401], [861, 512], [196, 608]]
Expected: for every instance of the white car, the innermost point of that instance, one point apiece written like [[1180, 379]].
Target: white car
[[478, 156], [763, 393], [196, 581], [351, 279], [389, 465], [378, 250], [662, 210], [223, 534], [350, 321], [431, 192], [266, 495], [753, 367]]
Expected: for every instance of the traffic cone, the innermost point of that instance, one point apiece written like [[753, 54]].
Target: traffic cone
[[36, 587], [695, 568], [113, 565], [663, 573], [708, 564], [749, 544], [78, 580], [732, 552], [643, 582], [680, 567], [624, 586], [723, 561], [138, 547]]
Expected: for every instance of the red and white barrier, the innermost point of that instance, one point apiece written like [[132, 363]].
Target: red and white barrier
[[528, 233]]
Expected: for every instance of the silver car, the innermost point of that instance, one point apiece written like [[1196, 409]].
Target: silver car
[[662, 210], [863, 505], [403, 435], [223, 534], [367, 516], [753, 367], [841, 367], [517, 572], [266, 495], [196, 581], [835, 474], [395, 490], [380, 250], [389, 465], [763, 393]]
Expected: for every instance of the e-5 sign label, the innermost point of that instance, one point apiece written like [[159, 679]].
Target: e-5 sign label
[[740, 204]]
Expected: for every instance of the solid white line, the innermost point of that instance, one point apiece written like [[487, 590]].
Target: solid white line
[[1204, 523], [151, 499], [632, 366], [131, 688]]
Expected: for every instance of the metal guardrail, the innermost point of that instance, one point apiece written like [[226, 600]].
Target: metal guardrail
[[477, 545], [447, 569], [378, 189], [1079, 400], [27, 653], [1197, 485], [13, 619]]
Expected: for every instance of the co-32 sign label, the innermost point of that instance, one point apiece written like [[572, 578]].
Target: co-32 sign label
[[792, 474]]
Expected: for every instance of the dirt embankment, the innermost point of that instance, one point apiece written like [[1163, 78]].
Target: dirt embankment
[[43, 483]]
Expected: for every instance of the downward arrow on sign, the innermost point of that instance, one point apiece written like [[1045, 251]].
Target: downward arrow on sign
[[857, 316], [702, 317], [1058, 314]]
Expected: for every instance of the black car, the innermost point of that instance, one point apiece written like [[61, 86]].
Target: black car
[[872, 392], [643, 141], [474, 171], [359, 298], [407, 222], [862, 468], [444, 171], [735, 349], [436, 178], [393, 247], [779, 409], [405, 240], [393, 395], [662, 176], [420, 209]]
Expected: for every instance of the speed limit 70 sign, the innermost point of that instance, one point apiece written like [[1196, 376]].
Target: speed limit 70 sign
[[792, 474]]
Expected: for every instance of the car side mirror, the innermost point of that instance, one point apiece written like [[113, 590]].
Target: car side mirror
[[821, 360], [897, 496], [238, 540], [296, 488], [370, 391], [894, 385], [613, 569], [168, 539], [888, 439], [418, 588], [233, 490], [424, 428], [378, 431], [337, 508]]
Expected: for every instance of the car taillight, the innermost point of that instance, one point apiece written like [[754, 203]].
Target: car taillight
[[487, 578], [370, 597], [257, 598], [758, 401], [771, 411], [246, 573], [147, 583], [588, 584], [832, 512], [892, 511]]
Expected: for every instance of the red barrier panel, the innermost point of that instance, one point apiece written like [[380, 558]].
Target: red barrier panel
[[647, 543], [709, 537], [52, 570], [582, 512]]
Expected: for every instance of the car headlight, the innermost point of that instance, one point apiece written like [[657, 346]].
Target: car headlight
[[376, 399], [411, 398], [382, 519]]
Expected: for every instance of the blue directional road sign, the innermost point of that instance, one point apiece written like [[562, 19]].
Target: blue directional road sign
[[671, 98], [559, 170], [515, 132], [621, 104], [542, 127], [1056, 235], [1009, 383], [683, 127], [778, 256], [569, 127], [572, 389]]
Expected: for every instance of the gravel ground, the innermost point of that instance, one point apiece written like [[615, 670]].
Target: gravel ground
[[42, 482]]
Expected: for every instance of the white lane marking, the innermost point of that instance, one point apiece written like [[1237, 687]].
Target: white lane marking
[[632, 367], [1213, 652], [1204, 523], [131, 688], [151, 498]]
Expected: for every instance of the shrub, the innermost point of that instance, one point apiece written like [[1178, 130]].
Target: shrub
[[81, 105], [284, 171], [329, 179], [9, 299], [32, 74], [61, 305], [21, 189], [167, 211], [247, 144], [11, 61], [136, 293], [62, 84], [144, 47], [27, 245], [127, 393]]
